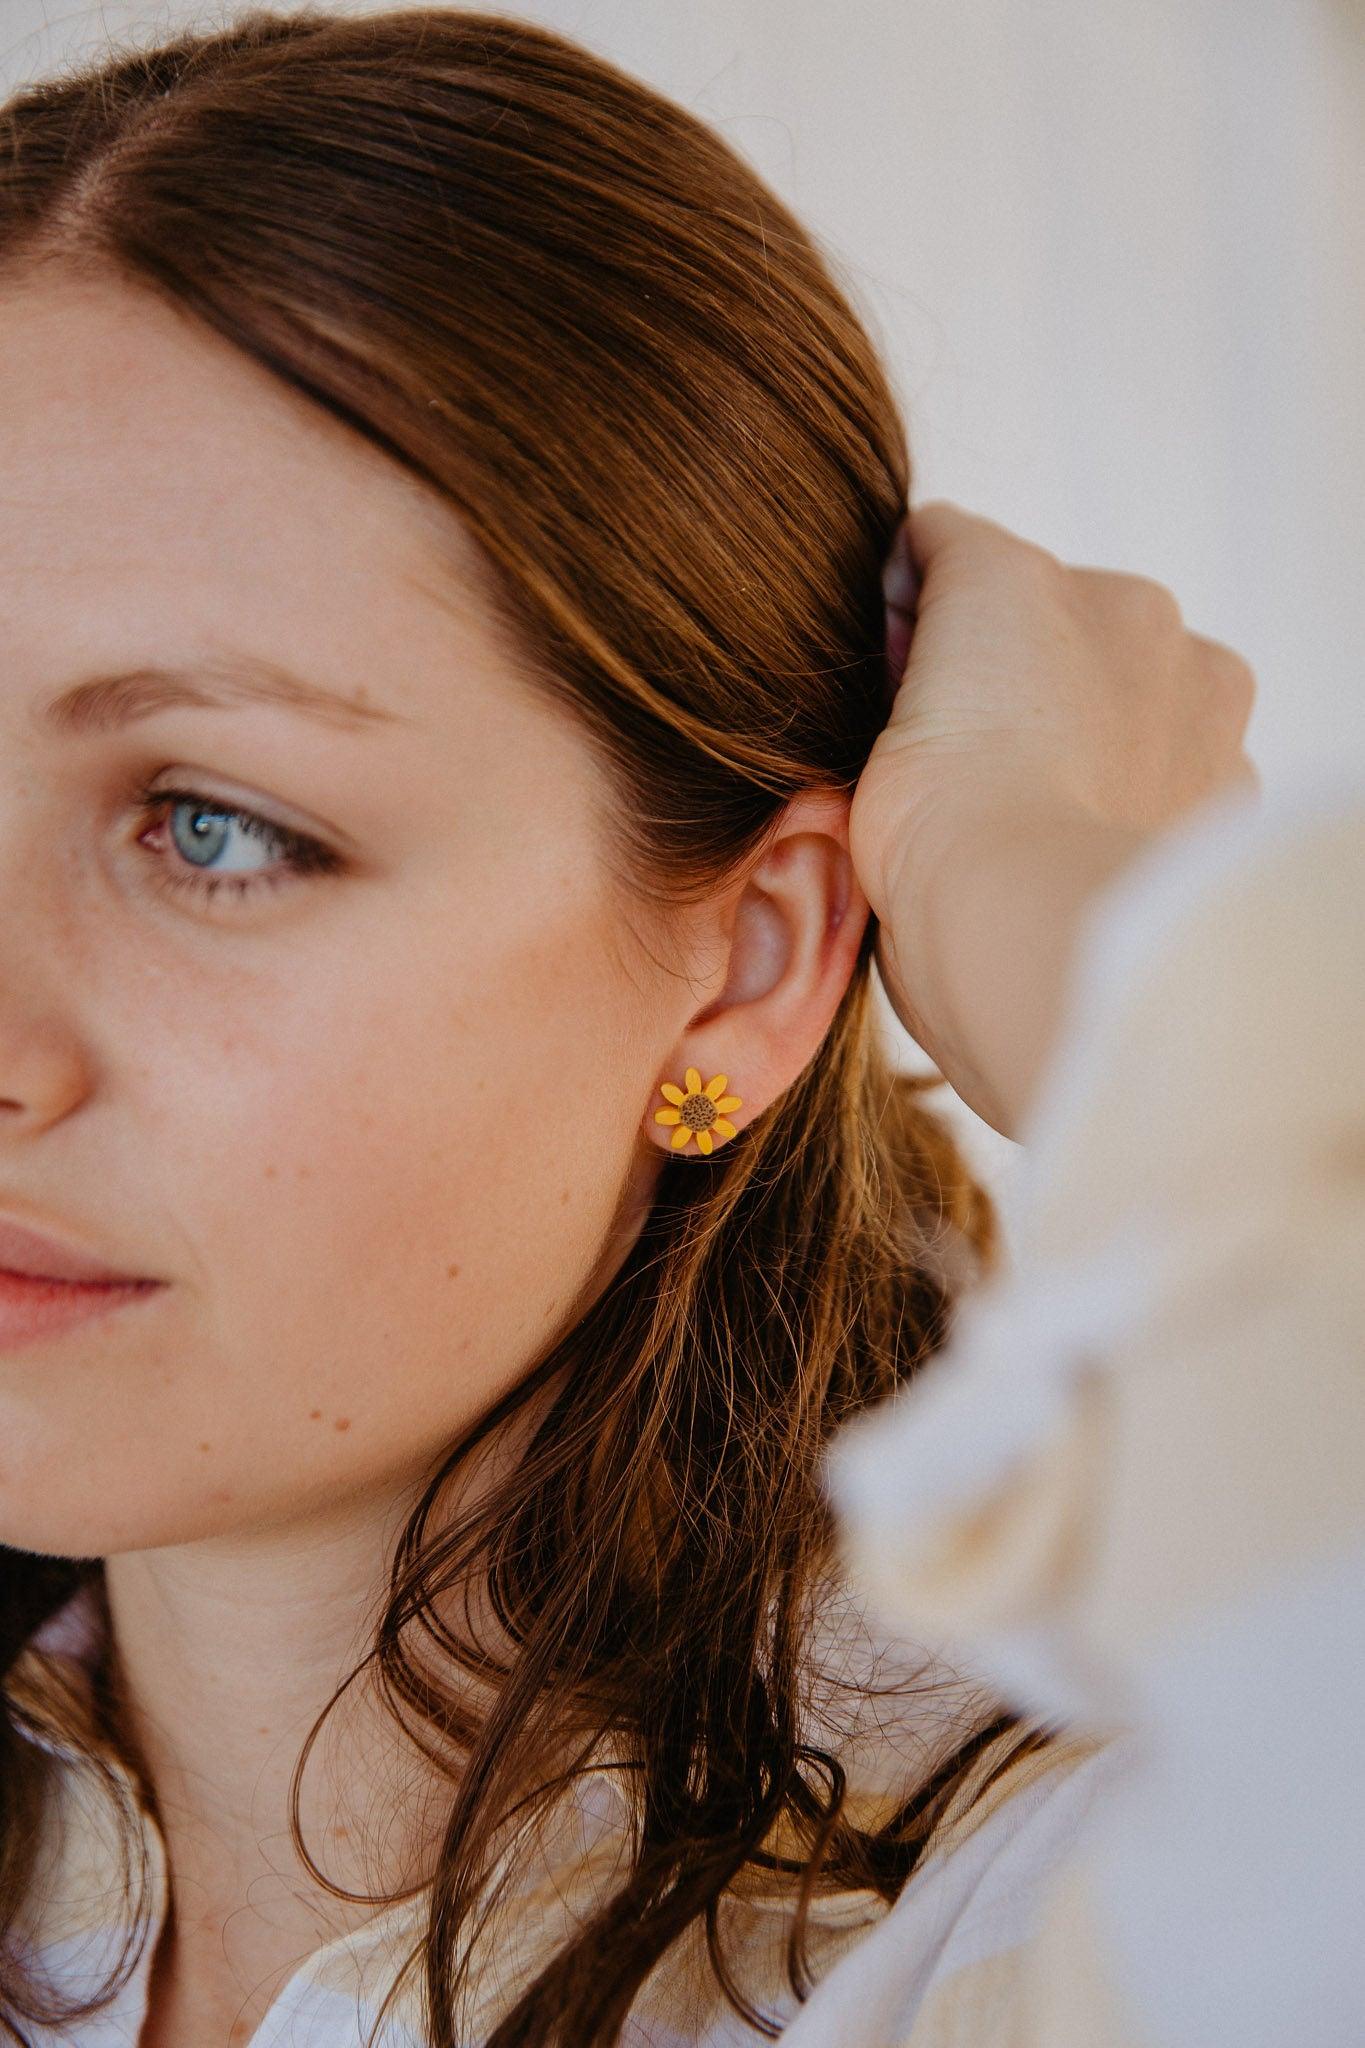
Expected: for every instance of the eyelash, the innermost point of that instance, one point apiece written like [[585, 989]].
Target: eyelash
[[302, 856]]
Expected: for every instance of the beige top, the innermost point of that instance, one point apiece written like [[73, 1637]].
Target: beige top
[[78, 1922], [1128, 1493], [1132, 1487]]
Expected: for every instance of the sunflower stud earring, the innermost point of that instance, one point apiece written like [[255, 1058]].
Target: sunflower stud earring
[[698, 1111]]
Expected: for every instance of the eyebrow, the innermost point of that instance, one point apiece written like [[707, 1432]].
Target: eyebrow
[[105, 702]]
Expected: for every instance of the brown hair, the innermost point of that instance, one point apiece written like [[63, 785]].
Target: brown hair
[[569, 307]]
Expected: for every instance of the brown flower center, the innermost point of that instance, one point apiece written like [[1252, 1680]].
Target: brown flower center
[[698, 1112]]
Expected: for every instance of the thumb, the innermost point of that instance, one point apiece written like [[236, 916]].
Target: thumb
[[939, 529], [900, 588]]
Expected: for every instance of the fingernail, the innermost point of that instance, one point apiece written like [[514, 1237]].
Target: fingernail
[[900, 578]]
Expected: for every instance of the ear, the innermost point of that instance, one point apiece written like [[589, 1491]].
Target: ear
[[786, 939]]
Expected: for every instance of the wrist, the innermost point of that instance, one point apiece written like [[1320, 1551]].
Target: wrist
[[985, 909]]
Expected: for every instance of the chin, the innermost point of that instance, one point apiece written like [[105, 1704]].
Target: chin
[[66, 1522]]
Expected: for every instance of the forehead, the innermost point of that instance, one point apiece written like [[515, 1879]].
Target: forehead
[[149, 470]]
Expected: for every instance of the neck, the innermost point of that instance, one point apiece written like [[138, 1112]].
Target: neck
[[223, 1655]]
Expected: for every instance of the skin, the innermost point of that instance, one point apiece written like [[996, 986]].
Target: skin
[[383, 1133], [1051, 722]]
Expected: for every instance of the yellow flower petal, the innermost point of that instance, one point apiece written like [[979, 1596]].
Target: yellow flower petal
[[728, 1103], [723, 1128], [681, 1136], [703, 1141], [671, 1090], [715, 1087], [668, 1116], [693, 1081]]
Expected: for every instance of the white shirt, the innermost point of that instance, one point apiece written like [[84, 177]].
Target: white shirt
[[965, 1905]]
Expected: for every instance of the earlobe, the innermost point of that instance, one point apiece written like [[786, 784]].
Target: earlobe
[[791, 935], [697, 1111]]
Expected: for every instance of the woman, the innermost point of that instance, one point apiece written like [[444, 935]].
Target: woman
[[448, 502]]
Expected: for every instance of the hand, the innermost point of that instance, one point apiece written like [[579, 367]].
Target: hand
[[1051, 721]]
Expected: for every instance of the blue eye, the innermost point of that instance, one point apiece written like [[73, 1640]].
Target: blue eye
[[199, 829]]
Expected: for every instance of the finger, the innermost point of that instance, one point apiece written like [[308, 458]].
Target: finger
[[900, 627], [1230, 670], [1138, 602], [900, 578], [1249, 775], [939, 528]]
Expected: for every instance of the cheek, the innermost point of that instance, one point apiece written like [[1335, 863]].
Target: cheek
[[392, 1212], [422, 1192], [456, 1163]]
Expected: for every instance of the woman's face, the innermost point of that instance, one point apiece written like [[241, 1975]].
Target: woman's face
[[382, 1131]]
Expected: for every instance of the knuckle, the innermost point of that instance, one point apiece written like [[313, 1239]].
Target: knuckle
[[1128, 601], [1039, 570], [1229, 671], [1043, 563], [1240, 677], [1155, 601]]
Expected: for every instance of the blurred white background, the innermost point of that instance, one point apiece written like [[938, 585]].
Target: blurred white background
[[1113, 251]]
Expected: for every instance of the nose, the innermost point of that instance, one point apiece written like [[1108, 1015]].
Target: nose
[[44, 1070], [38, 1086], [43, 1075]]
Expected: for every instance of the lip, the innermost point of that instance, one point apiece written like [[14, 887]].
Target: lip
[[26, 1252], [32, 1308]]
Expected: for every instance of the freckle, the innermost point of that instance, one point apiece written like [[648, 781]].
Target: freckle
[[564, 1197], [262, 1731], [452, 1272], [206, 1447], [342, 1422], [341, 1834], [315, 1414], [271, 1172], [223, 1494]]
